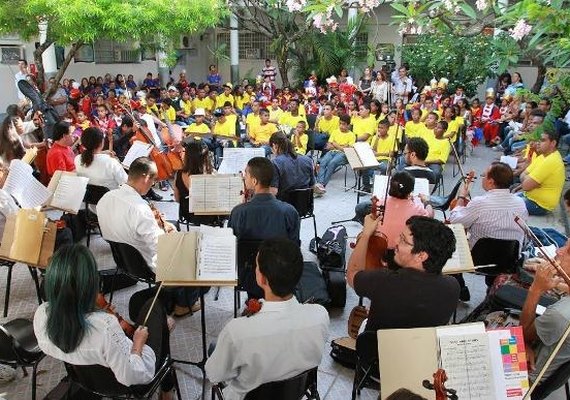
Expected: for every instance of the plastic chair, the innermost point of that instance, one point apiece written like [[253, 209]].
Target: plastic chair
[[100, 381], [558, 379], [298, 387], [246, 254], [19, 348], [442, 203], [92, 196], [366, 360], [304, 202], [503, 253]]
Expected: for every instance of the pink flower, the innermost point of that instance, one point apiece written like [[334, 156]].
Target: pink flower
[[481, 5], [296, 5], [520, 30]]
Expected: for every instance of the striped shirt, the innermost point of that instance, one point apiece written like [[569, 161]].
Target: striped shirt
[[491, 215]]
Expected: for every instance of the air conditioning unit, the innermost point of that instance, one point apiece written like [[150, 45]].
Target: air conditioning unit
[[253, 54], [187, 42], [11, 54]]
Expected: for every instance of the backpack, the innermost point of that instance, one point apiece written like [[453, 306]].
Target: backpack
[[312, 287], [331, 248]]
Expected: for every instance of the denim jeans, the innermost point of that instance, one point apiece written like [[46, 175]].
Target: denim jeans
[[532, 207], [368, 174], [320, 140], [328, 165]]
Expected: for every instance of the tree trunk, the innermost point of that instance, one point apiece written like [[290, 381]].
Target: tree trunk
[[70, 54], [40, 80], [282, 64], [540, 77]]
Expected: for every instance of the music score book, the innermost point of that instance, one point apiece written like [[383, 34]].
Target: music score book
[[200, 257], [235, 159], [421, 186], [461, 260], [479, 364], [215, 194], [65, 190], [137, 149], [361, 156]]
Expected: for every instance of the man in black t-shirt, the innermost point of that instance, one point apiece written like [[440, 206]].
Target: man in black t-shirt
[[417, 294]]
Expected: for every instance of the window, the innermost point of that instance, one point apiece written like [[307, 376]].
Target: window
[[11, 54], [110, 52], [84, 54], [361, 44], [252, 46]]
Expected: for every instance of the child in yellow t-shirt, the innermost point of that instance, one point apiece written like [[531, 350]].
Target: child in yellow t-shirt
[[382, 144], [259, 134], [439, 148], [299, 138]]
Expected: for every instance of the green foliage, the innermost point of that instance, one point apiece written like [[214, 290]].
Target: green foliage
[[462, 60]]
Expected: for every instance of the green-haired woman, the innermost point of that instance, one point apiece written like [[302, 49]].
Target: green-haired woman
[[71, 328]]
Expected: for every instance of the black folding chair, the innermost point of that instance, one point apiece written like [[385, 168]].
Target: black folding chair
[[366, 361], [304, 202], [442, 203], [246, 254], [33, 273], [92, 196], [503, 253]]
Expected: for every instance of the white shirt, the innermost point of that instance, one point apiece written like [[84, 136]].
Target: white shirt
[[151, 127], [492, 215], [284, 339], [125, 217], [7, 206], [103, 171], [20, 76], [105, 344]]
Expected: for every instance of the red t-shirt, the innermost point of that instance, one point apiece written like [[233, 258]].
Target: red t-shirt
[[59, 158]]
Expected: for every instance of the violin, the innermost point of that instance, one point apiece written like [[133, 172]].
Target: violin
[[104, 305], [467, 182], [159, 219], [438, 385], [377, 243]]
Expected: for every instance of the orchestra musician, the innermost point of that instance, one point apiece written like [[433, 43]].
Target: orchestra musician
[[282, 340], [70, 328], [11, 146], [125, 217], [263, 217]]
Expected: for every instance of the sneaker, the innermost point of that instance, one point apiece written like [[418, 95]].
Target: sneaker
[[464, 294], [319, 189], [162, 185], [152, 195], [181, 311], [498, 148], [196, 307]]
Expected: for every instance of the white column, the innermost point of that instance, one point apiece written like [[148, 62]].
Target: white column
[[352, 14], [48, 56], [234, 49]]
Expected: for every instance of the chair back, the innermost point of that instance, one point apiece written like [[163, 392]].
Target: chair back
[[7, 348], [423, 173], [288, 389], [558, 379], [246, 253], [96, 379], [311, 121], [449, 198], [302, 200], [503, 253], [132, 262], [367, 347], [94, 193]]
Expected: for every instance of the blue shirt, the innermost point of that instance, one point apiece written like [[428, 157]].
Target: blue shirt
[[265, 217], [292, 173]]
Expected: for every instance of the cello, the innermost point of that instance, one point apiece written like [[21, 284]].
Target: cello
[[438, 385]]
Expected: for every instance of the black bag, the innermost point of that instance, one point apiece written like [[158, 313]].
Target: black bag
[[510, 296], [77, 224], [312, 286], [331, 248], [121, 281], [336, 286]]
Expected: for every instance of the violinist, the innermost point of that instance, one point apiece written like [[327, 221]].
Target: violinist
[[492, 214], [122, 137], [70, 328], [125, 217]]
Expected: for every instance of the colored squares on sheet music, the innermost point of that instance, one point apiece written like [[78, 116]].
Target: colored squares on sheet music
[[513, 354]]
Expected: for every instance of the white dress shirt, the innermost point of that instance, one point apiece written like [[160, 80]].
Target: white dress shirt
[[105, 344], [492, 215], [284, 339], [7, 206], [103, 171], [125, 217]]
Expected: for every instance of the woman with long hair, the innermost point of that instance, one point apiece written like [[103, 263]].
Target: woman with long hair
[[196, 162], [71, 328], [96, 164], [379, 87], [11, 145]]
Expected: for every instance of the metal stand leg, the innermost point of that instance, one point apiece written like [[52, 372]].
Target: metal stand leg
[[357, 186], [8, 285], [34, 273]]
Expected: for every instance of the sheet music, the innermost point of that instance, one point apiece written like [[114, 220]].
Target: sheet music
[[235, 159], [510, 160], [465, 359], [461, 260], [214, 193], [421, 186], [365, 154], [26, 189], [69, 192], [138, 149], [217, 254]]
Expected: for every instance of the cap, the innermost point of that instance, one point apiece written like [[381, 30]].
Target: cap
[[172, 89], [228, 85]]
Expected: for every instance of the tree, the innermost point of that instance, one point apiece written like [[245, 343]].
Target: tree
[[463, 60], [76, 22]]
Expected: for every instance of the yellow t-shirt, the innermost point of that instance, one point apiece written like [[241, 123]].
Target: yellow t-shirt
[[549, 172], [413, 129], [205, 103], [328, 125], [222, 98], [152, 110], [427, 134], [227, 128], [195, 128], [287, 119], [247, 97], [343, 139], [169, 114], [240, 102], [438, 150], [274, 115], [304, 139], [186, 106], [361, 125], [452, 128], [252, 121], [396, 129], [260, 134], [383, 146]]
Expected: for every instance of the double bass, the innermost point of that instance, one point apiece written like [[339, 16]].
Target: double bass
[[438, 385]]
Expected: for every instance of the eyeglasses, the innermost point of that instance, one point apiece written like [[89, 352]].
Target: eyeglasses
[[404, 240]]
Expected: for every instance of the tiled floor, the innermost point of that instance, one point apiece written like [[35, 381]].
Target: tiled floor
[[335, 381]]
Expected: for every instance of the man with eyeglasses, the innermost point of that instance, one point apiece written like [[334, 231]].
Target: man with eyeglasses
[[417, 294]]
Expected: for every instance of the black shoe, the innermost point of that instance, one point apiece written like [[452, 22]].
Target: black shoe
[[367, 189], [464, 294], [152, 195]]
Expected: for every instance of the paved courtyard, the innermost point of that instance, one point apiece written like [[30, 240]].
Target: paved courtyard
[[334, 381]]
